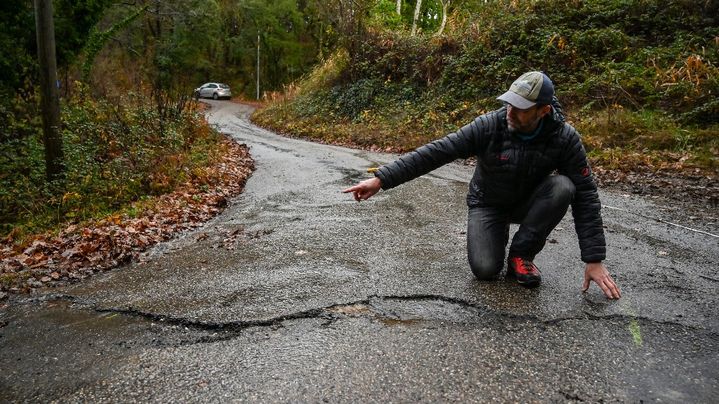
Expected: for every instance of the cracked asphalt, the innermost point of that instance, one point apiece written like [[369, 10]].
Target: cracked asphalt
[[297, 293]]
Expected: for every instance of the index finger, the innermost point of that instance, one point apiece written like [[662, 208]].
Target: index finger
[[351, 189]]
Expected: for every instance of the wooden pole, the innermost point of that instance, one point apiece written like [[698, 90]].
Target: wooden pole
[[50, 100]]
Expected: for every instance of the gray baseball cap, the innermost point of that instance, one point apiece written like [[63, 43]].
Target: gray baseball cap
[[528, 90]]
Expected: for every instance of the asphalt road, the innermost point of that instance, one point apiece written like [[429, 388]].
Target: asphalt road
[[297, 293]]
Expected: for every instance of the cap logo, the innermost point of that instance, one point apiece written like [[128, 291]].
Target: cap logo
[[524, 85], [528, 87], [528, 90]]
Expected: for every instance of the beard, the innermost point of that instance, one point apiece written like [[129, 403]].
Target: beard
[[526, 129], [512, 129]]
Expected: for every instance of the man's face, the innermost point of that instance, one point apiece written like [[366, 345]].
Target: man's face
[[525, 120]]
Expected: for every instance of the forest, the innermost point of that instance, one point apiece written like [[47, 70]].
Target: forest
[[126, 71], [635, 77], [639, 78]]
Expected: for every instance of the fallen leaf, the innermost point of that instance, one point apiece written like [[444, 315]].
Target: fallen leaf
[[78, 251]]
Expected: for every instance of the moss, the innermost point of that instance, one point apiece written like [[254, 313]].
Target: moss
[[9, 280]]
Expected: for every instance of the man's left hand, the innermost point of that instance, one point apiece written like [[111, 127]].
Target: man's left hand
[[597, 272]]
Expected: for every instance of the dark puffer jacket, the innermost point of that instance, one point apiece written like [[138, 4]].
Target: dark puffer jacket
[[509, 168]]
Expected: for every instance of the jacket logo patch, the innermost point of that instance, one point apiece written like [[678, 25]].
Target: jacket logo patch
[[585, 171]]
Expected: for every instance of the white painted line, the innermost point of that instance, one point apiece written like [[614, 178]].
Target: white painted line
[[662, 221]]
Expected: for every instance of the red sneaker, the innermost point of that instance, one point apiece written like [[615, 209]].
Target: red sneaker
[[525, 271]]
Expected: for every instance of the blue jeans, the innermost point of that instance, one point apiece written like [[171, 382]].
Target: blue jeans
[[488, 227]]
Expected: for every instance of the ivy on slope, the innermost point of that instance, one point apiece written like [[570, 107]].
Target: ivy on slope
[[642, 75]]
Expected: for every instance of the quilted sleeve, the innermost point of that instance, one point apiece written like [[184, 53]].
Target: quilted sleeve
[[460, 144], [586, 207]]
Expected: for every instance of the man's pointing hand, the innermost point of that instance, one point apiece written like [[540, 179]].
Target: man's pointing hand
[[365, 189]]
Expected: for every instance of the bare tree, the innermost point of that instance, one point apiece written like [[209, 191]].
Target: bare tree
[[399, 7], [445, 7], [416, 16], [348, 16]]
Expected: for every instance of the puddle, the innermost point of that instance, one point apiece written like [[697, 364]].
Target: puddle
[[64, 315]]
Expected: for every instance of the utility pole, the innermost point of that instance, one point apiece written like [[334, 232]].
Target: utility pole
[[50, 99], [258, 65]]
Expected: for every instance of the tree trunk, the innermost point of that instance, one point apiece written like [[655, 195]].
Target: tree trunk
[[399, 7], [45, 29], [416, 17], [321, 55], [445, 6]]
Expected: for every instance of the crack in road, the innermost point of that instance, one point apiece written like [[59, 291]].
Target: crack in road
[[367, 302], [371, 307]]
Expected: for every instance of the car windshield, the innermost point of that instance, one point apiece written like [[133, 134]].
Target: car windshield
[[224, 86]]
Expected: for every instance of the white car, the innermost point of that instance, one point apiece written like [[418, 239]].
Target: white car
[[213, 90]]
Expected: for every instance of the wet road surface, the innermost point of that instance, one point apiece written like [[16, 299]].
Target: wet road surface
[[297, 293]]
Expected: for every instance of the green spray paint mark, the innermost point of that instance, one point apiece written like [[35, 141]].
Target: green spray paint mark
[[634, 329], [636, 333]]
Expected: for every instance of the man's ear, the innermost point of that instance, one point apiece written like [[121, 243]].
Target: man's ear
[[544, 110]]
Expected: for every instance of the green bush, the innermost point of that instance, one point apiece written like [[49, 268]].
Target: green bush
[[640, 57], [638, 53], [115, 153]]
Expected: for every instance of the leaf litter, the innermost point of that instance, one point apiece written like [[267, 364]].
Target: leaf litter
[[80, 250]]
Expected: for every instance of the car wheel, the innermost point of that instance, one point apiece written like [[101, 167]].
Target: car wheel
[[197, 95], [214, 96]]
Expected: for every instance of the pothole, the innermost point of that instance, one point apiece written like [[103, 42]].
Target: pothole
[[357, 309], [412, 310]]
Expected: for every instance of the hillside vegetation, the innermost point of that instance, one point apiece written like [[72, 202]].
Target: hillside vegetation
[[126, 70], [639, 79]]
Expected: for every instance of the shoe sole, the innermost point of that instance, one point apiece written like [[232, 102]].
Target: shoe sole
[[530, 284], [527, 284]]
